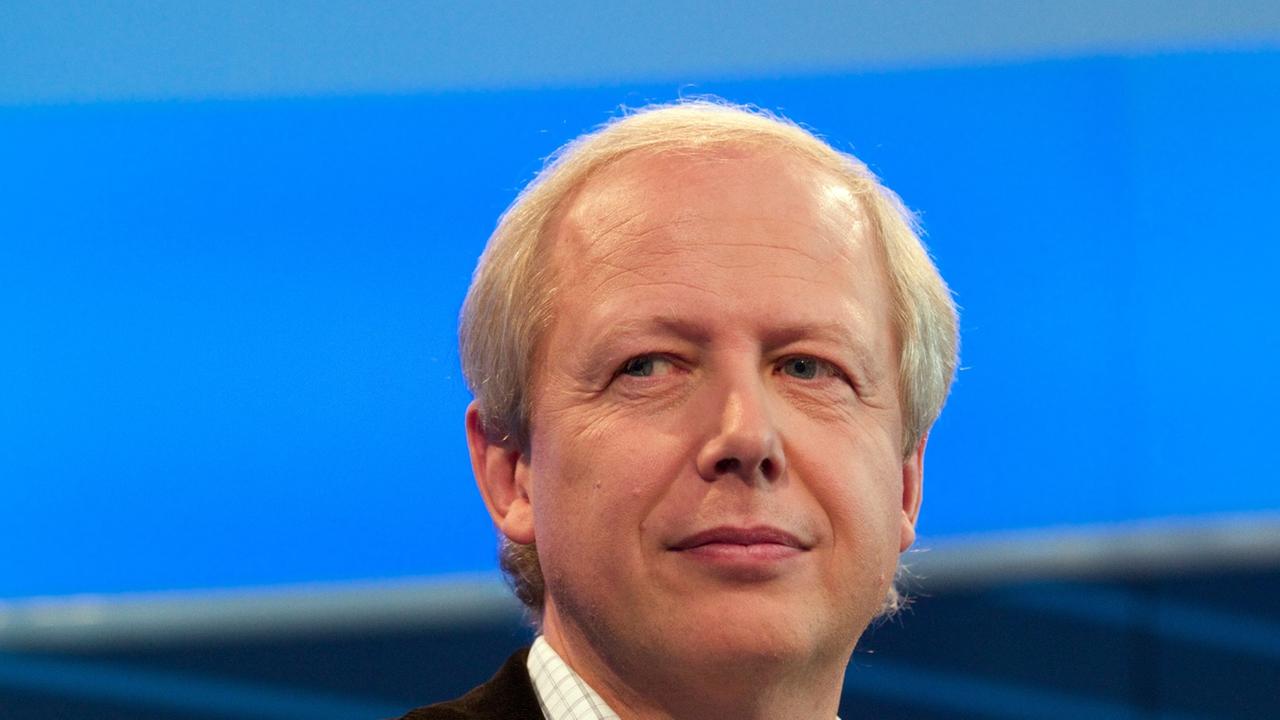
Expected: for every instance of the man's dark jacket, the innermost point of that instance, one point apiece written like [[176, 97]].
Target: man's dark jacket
[[509, 695]]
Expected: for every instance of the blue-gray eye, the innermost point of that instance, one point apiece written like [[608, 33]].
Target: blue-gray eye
[[805, 368], [646, 366]]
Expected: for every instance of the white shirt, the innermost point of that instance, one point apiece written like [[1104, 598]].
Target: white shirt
[[562, 693]]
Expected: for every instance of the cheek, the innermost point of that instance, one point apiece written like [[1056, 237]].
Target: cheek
[[601, 477], [864, 557], [856, 478], [862, 509], [859, 455]]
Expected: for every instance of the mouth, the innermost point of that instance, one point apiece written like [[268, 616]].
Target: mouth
[[742, 554], [741, 547], [762, 537]]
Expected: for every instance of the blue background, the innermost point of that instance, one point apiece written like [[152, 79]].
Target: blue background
[[228, 353]]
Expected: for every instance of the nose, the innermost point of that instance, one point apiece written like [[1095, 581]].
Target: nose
[[744, 441]]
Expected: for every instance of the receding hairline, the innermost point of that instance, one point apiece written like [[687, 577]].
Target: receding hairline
[[645, 168]]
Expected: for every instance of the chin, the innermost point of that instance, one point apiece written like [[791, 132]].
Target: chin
[[762, 631]]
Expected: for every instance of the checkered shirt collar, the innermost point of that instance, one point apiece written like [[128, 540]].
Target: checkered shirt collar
[[562, 693]]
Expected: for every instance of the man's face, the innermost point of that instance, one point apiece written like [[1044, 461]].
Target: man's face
[[714, 468]]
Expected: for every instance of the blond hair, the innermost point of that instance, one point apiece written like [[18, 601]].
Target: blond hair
[[508, 306]]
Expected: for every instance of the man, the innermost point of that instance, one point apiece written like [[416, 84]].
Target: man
[[706, 351]]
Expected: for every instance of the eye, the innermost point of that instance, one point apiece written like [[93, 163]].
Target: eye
[[808, 368], [646, 366]]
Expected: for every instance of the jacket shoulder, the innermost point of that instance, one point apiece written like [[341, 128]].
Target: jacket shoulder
[[508, 695]]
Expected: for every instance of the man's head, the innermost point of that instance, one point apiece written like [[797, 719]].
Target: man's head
[[706, 349]]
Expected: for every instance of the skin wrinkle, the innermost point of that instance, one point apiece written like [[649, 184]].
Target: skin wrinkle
[[577, 229], [599, 239], [609, 279], [615, 229], [658, 284], [579, 261], [626, 244], [619, 248]]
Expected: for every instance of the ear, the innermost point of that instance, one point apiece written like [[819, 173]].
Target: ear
[[912, 492], [502, 474]]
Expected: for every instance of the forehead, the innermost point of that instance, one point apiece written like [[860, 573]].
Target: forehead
[[710, 202]]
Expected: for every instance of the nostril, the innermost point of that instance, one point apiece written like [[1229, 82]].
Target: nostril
[[727, 465], [766, 467]]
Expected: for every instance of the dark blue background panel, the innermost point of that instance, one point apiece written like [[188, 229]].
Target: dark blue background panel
[[229, 354]]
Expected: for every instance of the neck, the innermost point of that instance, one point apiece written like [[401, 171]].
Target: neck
[[647, 686]]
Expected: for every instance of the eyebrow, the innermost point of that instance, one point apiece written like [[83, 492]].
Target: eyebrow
[[655, 325], [834, 332]]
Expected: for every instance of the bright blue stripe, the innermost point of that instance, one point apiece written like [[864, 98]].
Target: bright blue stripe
[[180, 691]]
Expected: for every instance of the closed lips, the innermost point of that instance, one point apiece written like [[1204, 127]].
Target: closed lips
[[762, 535]]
